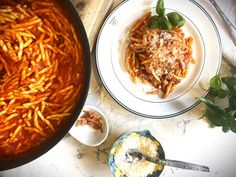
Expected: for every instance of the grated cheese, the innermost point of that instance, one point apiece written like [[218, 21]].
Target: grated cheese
[[141, 168]]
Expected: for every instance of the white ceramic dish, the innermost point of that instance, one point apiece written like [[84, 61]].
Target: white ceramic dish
[[86, 134], [110, 59]]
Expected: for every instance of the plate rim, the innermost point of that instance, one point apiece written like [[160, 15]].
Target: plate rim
[[142, 114]]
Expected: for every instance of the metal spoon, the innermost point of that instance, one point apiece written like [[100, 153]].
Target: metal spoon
[[134, 156], [231, 28]]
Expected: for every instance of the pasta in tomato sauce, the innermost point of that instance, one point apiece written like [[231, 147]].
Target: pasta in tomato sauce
[[159, 57], [41, 73]]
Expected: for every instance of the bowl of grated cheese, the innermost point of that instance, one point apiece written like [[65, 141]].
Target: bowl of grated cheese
[[142, 141]]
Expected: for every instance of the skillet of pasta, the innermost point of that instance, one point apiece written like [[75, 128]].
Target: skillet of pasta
[[44, 74]]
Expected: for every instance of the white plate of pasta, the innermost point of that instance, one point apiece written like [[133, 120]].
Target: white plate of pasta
[[157, 73]]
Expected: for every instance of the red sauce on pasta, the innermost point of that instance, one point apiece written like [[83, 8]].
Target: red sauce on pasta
[[41, 73], [159, 57]]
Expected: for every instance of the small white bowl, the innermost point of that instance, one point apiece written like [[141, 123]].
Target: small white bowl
[[88, 135]]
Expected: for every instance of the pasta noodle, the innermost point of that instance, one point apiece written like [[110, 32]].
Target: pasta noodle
[[159, 57], [41, 72]]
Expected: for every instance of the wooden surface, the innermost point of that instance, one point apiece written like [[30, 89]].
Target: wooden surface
[[92, 13], [115, 3]]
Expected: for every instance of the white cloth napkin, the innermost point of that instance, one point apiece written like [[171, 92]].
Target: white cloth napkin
[[229, 8]]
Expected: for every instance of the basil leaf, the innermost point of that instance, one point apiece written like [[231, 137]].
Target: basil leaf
[[176, 19], [216, 87], [160, 8], [212, 93], [160, 22], [215, 108], [232, 102], [153, 22], [215, 82], [231, 84], [217, 115], [233, 113], [214, 118], [233, 121], [164, 24], [226, 126], [233, 126], [221, 93]]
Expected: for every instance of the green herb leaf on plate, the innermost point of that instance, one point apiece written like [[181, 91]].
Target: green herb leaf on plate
[[164, 24], [160, 8], [153, 22], [160, 22], [176, 19], [167, 22]]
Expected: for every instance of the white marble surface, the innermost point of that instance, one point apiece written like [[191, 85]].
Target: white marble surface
[[187, 137]]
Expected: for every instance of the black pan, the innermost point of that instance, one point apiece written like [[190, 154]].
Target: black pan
[[9, 163]]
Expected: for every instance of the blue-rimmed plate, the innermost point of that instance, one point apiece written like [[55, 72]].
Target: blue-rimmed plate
[[111, 50]]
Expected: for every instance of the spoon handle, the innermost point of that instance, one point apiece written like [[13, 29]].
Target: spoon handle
[[231, 28], [132, 154], [183, 165], [178, 164]]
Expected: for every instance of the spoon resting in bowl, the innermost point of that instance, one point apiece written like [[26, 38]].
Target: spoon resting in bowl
[[134, 156]]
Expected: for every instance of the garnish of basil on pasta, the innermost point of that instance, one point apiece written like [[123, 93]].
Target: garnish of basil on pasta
[[165, 21]]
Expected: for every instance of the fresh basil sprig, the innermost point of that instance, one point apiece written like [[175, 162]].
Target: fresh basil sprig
[[217, 115], [160, 8], [176, 19], [165, 21], [161, 22]]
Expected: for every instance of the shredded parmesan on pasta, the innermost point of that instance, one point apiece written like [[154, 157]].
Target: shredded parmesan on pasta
[[160, 57]]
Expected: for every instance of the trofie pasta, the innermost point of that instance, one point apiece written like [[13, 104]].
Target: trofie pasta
[[159, 57], [41, 72]]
